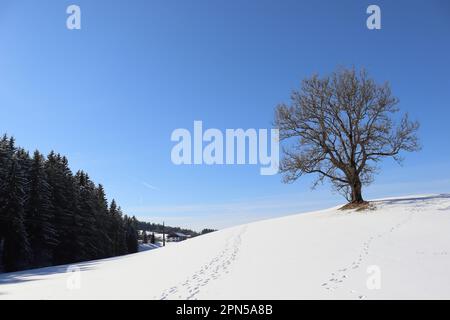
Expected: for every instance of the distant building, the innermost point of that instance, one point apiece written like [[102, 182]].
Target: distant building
[[177, 236]]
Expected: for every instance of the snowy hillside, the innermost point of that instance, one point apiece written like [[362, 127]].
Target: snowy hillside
[[329, 254]]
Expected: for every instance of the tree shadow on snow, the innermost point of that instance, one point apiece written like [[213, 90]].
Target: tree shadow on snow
[[148, 246], [414, 200], [35, 274]]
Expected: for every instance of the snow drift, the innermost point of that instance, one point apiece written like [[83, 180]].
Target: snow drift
[[328, 254]]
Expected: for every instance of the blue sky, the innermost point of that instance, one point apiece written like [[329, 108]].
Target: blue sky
[[109, 95]]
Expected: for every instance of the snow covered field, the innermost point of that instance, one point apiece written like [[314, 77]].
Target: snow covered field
[[331, 254]]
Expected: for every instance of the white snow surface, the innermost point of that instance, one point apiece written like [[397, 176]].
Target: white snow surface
[[327, 254]]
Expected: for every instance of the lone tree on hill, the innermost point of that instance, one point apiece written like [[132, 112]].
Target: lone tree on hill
[[342, 126]]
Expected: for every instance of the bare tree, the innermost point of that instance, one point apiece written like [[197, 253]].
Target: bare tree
[[342, 126]]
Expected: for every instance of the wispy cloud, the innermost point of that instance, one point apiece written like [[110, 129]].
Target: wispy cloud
[[149, 186]]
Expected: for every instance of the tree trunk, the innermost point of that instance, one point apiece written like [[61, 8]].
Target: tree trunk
[[356, 191]]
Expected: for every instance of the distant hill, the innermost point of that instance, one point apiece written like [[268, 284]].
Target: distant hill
[[158, 228]]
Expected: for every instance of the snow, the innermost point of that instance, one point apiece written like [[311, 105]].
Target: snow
[[148, 246], [329, 254]]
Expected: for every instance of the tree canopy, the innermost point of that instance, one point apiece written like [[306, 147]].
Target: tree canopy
[[340, 127]]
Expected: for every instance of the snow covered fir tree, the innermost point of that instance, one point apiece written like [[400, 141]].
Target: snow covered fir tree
[[50, 216]]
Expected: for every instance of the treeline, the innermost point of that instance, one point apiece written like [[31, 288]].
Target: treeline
[[50, 216], [206, 230], [159, 228]]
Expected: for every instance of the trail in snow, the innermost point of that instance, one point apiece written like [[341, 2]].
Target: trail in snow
[[338, 278], [211, 271]]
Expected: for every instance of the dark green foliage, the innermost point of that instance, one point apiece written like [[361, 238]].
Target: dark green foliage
[[39, 216], [131, 236], [205, 231], [16, 249], [117, 230], [49, 216], [103, 221], [67, 220], [152, 239], [144, 237]]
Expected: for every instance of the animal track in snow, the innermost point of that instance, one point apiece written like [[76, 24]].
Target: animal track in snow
[[212, 270], [338, 277]]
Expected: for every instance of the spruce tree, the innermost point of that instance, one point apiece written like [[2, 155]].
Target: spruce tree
[[103, 221], [48, 216], [87, 232], [64, 197], [145, 236], [6, 153], [16, 254], [117, 229], [131, 235], [39, 214], [152, 239]]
